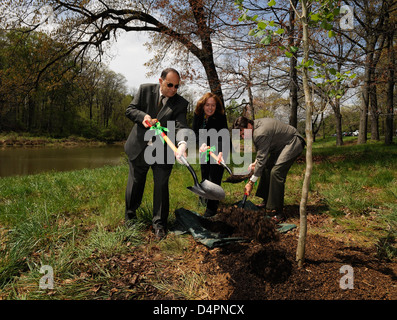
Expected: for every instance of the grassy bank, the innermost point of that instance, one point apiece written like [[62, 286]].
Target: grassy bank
[[74, 222], [14, 139]]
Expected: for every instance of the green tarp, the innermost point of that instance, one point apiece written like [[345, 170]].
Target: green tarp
[[198, 226]]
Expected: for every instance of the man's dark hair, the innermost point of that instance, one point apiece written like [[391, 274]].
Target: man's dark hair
[[167, 71], [242, 123]]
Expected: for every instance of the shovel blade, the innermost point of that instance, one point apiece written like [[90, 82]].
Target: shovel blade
[[208, 190]]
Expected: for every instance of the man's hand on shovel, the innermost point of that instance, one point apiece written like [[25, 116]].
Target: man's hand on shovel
[[205, 189], [248, 187], [148, 122], [149, 119], [181, 151]]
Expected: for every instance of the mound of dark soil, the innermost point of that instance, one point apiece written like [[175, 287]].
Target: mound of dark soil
[[238, 222], [251, 224], [238, 178]]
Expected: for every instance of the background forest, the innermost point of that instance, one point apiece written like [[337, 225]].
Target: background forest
[[54, 82], [68, 99]]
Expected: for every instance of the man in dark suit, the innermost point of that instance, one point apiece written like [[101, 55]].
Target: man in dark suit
[[153, 101], [278, 145]]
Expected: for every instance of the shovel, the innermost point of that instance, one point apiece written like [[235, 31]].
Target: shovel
[[244, 200], [233, 178], [205, 189]]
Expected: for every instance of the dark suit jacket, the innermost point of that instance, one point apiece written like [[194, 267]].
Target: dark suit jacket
[[145, 102], [216, 121]]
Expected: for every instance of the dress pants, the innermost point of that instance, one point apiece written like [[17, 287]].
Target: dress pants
[[136, 185], [272, 183], [213, 173]]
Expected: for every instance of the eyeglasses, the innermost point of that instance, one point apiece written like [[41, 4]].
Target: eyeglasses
[[170, 85]]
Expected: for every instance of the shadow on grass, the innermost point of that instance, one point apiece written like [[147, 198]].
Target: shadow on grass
[[359, 155]]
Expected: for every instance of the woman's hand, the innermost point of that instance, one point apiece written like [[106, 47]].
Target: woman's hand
[[220, 158], [203, 147]]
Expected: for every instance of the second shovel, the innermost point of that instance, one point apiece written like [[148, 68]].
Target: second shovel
[[205, 189]]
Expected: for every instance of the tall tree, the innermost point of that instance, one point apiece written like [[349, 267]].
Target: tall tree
[[391, 63], [334, 57], [317, 11], [87, 26], [370, 19]]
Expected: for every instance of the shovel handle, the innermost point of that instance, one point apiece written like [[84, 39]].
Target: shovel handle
[[175, 149], [166, 139], [244, 200], [183, 159], [216, 158]]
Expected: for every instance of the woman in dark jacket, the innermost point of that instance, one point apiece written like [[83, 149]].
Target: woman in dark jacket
[[210, 114]]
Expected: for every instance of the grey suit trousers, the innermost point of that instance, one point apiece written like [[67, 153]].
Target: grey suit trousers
[[272, 184], [272, 181]]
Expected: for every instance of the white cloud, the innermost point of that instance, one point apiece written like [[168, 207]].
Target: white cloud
[[128, 55]]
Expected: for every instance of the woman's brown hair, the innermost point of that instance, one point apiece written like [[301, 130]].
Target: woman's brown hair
[[203, 100]]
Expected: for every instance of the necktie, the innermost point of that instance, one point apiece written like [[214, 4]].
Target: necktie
[[160, 104]]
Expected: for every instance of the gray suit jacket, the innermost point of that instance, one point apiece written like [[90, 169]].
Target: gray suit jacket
[[281, 140], [145, 102]]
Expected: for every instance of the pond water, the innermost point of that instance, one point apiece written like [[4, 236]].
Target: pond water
[[25, 161]]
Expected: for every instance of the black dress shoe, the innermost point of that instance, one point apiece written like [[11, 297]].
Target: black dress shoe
[[130, 220], [160, 233], [130, 215]]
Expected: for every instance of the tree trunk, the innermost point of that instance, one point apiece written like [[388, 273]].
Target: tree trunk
[[293, 93], [373, 92], [293, 87], [390, 89], [206, 54], [212, 75], [250, 106], [338, 126], [316, 129], [362, 134], [300, 252], [374, 113], [338, 116]]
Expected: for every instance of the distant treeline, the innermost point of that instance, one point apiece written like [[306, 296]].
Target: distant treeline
[[58, 98]]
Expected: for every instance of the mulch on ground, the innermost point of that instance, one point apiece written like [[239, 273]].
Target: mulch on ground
[[265, 269]]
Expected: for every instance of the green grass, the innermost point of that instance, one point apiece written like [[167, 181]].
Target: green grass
[[74, 221], [357, 178], [357, 185]]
